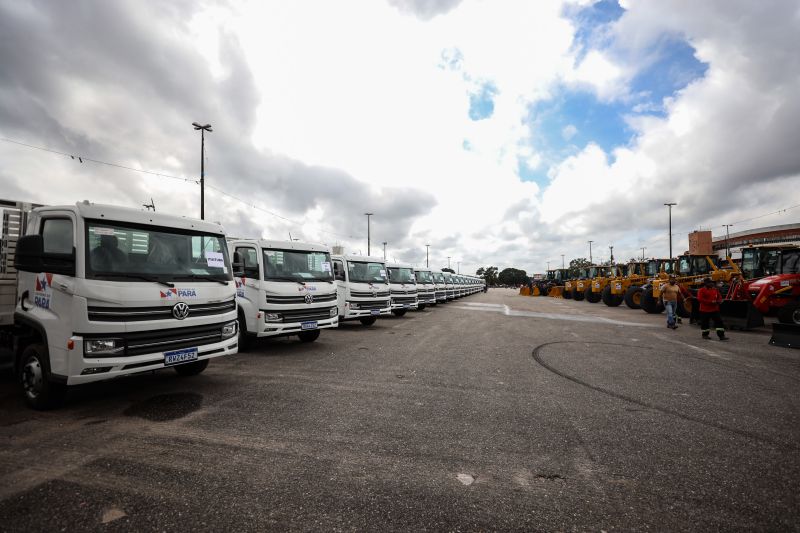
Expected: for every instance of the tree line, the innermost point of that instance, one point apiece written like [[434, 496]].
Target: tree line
[[507, 276]]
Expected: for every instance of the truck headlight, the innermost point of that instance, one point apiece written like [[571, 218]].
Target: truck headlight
[[229, 329], [272, 317], [334, 312], [354, 305], [103, 346]]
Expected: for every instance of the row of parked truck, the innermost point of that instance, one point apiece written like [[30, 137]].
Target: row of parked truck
[[764, 281], [92, 292]]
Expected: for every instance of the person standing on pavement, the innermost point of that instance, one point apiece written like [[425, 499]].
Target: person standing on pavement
[[710, 298], [670, 296]]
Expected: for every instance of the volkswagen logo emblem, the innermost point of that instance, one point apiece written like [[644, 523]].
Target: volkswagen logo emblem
[[309, 298], [180, 310]]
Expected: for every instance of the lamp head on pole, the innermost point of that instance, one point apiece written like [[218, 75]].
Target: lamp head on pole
[[197, 126]]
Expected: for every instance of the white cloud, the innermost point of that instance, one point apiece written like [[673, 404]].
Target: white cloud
[[568, 132]]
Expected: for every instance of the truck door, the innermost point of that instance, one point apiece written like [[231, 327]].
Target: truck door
[[247, 286], [340, 279]]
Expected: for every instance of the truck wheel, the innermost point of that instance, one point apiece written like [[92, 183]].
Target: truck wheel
[[420, 307], [399, 312], [611, 300], [244, 340], [591, 296], [308, 336], [633, 297], [34, 376], [650, 304], [790, 314], [191, 369], [566, 294], [368, 320]]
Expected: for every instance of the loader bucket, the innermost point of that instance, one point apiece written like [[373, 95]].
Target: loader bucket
[[524, 291], [556, 292], [786, 335], [535, 291], [741, 314]]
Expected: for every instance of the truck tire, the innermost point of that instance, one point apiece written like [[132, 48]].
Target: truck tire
[[244, 340], [368, 320], [577, 295], [566, 294], [649, 303], [790, 313], [41, 393], [633, 297], [591, 296], [398, 312], [191, 369], [308, 336], [420, 307], [611, 300]]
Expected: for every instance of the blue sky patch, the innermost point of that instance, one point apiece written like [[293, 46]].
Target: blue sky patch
[[481, 103]]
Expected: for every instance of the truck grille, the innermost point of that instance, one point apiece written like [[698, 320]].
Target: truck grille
[[160, 312], [143, 342], [376, 304], [368, 294], [300, 299], [404, 300], [304, 315]]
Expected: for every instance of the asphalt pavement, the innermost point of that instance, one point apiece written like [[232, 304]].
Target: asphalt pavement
[[494, 412]]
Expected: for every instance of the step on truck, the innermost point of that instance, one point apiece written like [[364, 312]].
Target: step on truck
[[403, 287], [362, 285], [426, 287], [95, 292], [283, 288]]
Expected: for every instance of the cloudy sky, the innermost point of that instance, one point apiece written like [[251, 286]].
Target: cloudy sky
[[503, 132]]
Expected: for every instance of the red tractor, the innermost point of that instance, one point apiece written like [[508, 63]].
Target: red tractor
[[771, 285]]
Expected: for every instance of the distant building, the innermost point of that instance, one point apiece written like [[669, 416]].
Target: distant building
[[783, 234]]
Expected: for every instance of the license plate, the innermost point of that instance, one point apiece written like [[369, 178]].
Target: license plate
[[375, 312], [308, 325], [406, 306], [178, 357], [618, 286]]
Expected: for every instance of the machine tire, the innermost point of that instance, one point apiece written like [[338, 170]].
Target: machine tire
[[368, 320], [633, 297], [611, 300], [650, 304], [191, 369], [577, 295], [685, 308], [420, 307], [41, 393], [566, 294], [591, 296], [790, 314], [308, 336], [398, 312]]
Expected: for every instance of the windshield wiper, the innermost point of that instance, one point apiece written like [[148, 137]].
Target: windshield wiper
[[321, 279], [303, 283], [135, 276], [207, 278]]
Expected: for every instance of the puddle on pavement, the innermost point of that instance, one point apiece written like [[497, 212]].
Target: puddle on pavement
[[166, 407]]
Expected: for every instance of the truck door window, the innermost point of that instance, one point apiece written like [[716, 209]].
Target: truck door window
[[250, 258], [57, 235], [338, 270]]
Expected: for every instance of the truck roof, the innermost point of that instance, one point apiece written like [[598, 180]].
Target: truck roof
[[399, 265], [282, 245], [361, 258], [114, 213]]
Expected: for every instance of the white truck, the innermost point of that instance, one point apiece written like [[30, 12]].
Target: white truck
[[283, 288], [426, 288], [450, 291], [403, 286], [363, 288], [95, 292], [440, 286]]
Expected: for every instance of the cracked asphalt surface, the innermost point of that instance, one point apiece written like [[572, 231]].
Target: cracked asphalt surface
[[495, 412]]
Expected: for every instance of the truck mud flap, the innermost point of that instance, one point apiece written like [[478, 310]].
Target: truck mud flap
[[786, 335], [741, 314]]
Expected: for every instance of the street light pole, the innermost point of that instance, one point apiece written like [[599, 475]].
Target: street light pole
[[548, 265], [669, 205], [643, 249], [590, 252], [611, 247], [384, 250], [562, 260], [427, 255], [203, 130], [459, 267], [448, 262], [727, 240], [368, 236]]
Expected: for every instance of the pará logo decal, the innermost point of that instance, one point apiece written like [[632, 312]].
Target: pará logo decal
[[43, 292], [178, 293], [240, 286]]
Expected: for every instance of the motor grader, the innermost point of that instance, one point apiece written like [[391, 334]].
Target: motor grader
[[631, 288], [613, 294]]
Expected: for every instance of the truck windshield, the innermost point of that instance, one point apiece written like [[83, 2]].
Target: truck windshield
[[423, 277], [296, 265], [117, 250], [366, 272], [401, 275], [438, 277]]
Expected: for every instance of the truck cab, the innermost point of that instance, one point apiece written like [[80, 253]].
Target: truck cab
[[362, 285], [426, 287], [440, 287], [104, 292], [403, 286], [284, 288], [450, 291]]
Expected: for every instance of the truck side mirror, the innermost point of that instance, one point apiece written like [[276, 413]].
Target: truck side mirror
[[31, 257], [237, 265]]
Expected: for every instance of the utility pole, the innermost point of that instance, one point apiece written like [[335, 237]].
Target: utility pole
[[669, 205], [643, 249], [590, 252], [368, 236], [611, 247], [562, 260], [548, 265], [727, 240], [448, 262], [203, 130], [427, 256], [384, 250], [459, 267]]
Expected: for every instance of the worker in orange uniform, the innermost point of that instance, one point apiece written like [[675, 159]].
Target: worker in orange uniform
[[710, 298]]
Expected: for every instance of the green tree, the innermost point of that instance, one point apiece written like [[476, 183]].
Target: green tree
[[489, 274], [445, 269], [576, 265], [513, 276]]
